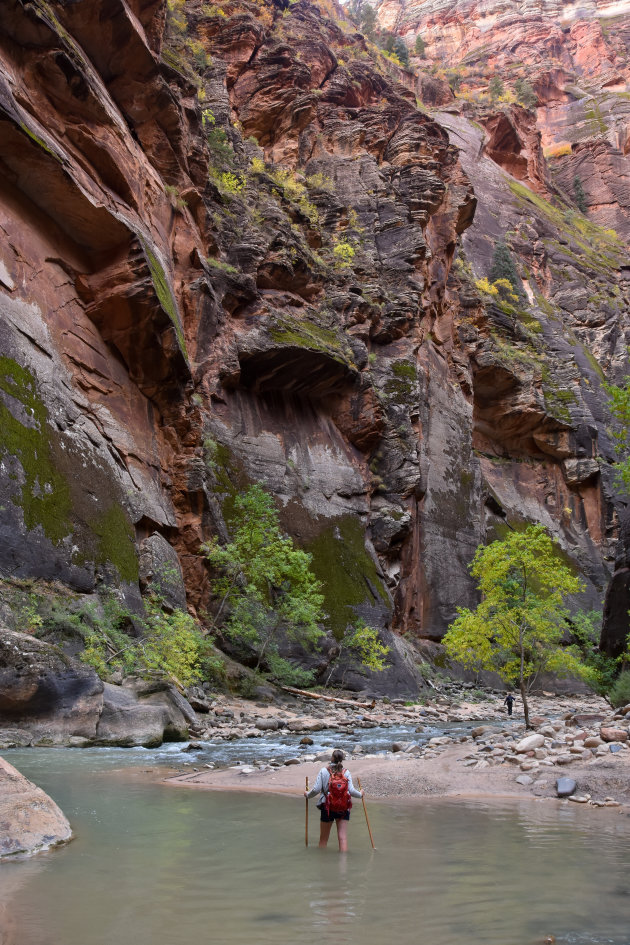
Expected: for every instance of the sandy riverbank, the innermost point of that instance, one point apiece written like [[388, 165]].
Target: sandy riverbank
[[405, 777]]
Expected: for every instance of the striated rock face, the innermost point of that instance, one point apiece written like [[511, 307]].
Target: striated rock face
[[41, 688], [29, 820], [227, 256]]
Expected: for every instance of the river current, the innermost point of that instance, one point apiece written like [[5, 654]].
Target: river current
[[157, 865]]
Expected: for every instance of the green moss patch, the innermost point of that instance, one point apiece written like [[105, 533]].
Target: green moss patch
[[594, 363], [45, 496], [303, 333], [115, 543], [342, 563], [165, 296]]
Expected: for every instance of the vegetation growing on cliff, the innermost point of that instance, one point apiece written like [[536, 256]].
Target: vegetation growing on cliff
[[359, 643], [265, 587], [518, 627]]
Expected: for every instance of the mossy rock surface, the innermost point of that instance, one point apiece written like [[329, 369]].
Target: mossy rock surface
[[63, 498], [352, 586]]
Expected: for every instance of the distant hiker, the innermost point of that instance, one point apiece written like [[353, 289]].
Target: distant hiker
[[335, 787], [509, 702]]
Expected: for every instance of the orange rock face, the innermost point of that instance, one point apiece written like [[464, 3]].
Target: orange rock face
[[228, 256]]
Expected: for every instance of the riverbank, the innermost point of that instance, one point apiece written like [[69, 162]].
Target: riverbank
[[577, 738]]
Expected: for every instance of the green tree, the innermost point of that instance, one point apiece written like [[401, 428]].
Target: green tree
[[518, 627], [419, 46], [265, 585], [496, 88], [364, 15], [525, 93], [580, 196], [504, 267], [361, 643], [396, 45]]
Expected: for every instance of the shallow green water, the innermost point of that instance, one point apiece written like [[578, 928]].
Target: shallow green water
[[156, 865]]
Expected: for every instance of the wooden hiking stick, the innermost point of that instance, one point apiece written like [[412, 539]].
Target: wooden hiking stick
[[366, 816], [306, 828]]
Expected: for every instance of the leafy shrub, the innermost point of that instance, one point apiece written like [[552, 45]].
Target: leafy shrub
[[525, 93], [496, 88], [504, 267], [231, 184], [343, 253], [486, 287], [580, 196], [619, 694], [171, 644]]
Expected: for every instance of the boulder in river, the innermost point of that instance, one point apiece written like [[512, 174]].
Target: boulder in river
[[29, 820]]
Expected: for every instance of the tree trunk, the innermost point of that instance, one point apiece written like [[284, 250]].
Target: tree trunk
[[525, 703], [521, 681]]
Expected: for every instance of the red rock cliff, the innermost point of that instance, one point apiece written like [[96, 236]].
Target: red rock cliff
[[227, 255]]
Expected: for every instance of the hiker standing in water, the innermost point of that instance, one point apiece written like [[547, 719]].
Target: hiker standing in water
[[509, 702], [335, 787]]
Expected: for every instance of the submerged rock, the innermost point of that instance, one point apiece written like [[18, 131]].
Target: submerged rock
[[30, 821]]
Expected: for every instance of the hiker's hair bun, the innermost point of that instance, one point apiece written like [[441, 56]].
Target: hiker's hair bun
[[337, 758]]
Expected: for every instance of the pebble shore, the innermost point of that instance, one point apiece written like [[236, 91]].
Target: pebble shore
[[579, 739]]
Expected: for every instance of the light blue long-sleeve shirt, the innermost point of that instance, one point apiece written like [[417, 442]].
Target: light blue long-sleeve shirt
[[321, 786]]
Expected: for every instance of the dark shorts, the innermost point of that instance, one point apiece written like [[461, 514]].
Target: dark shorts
[[330, 818]]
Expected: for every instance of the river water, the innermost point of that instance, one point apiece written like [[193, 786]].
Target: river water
[[157, 865]]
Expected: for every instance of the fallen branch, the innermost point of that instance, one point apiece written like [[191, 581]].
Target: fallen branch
[[317, 695]]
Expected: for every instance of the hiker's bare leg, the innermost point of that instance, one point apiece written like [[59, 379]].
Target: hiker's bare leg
[[342, 834], [324, 833]]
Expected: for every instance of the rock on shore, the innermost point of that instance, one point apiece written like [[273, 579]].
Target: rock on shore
[[29, 820]]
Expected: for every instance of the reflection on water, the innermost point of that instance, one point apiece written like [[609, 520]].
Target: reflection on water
[[153, 865]]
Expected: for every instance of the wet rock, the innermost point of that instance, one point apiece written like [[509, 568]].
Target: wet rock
[[292, 761], [45, 691], [29, 819], [15, 738], [126, 720], [565, 787]]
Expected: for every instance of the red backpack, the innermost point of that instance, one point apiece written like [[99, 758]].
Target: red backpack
[[338, 797]]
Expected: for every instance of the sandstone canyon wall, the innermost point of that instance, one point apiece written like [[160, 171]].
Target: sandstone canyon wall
[[233, 250]]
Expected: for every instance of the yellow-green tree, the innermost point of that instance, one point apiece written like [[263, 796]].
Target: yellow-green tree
[[518, 627]]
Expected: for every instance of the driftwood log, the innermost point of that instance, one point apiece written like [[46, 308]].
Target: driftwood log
[[317, 695]]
